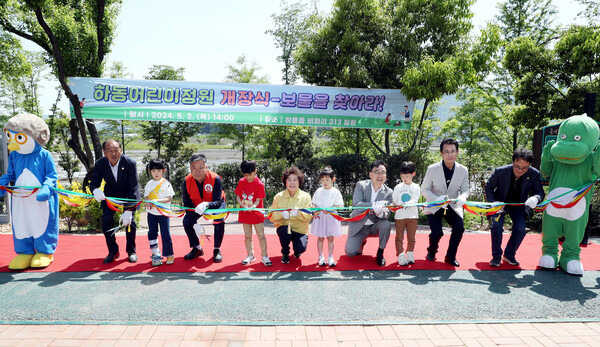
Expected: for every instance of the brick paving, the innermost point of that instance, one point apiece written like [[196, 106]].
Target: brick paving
[[468, 334]]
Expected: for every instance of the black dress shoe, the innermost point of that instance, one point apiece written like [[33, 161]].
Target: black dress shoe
[[430, 256], [452, 262], [194, 253], [110, 258], [285, 259], [217, 256], [380, 259], [297, 255]]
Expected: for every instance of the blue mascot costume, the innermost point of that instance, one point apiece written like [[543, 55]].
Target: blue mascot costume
[[34, 217]]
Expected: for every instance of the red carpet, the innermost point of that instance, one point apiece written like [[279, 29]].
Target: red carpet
[[86, 252]]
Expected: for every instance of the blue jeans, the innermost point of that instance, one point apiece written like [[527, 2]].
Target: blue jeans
[[154, 221], [518, 216]]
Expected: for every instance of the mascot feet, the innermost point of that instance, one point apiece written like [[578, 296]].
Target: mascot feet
[[547, 262], [574, 267], [20, 262], [41, 260]]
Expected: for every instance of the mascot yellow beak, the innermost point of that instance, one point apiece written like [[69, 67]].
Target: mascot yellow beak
[[13, 147], [19, 142]]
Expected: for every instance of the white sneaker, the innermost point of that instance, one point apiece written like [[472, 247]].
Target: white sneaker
[[410, 257], [266, 261], [321, 260], [330, 261], [249, 259], [402, 259]]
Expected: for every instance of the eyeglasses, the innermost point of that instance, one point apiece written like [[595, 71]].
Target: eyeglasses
[[377, 172], [521, 168]]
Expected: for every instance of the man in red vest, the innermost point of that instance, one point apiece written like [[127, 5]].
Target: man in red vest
[[202, 189]]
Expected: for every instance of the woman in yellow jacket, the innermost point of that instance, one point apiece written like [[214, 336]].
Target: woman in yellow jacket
[[292, 225]]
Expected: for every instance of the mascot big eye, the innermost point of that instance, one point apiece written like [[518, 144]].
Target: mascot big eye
[[34, 216], [571, 162]]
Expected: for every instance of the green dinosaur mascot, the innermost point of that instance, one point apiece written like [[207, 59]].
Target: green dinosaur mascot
[[570, 162]]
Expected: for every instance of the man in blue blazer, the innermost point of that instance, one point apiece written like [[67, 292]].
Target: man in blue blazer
[[514, 183], [120, 174]]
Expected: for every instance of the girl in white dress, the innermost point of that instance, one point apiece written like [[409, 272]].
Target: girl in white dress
[[324, 224]]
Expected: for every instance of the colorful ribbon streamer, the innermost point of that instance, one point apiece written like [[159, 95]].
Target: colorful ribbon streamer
[[219, 215]]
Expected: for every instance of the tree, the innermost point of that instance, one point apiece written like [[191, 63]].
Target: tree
[[490, 114], [290, 27], [240, 73], [168, 135], [14, 66], [419, 47], [75, 38], [117, 128], [591, 11], [552, 83], [244, 73]]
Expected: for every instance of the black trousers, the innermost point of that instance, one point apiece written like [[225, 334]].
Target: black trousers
[[108, 222], [298, 240], [188, 225], [435, 224]]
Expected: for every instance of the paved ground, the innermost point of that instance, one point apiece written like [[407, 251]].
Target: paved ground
[[507, 334], [362, 308]]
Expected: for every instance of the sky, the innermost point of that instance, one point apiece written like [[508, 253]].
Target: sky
[[205, 37]]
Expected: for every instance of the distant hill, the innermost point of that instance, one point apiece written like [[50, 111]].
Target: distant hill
[[445, 106]]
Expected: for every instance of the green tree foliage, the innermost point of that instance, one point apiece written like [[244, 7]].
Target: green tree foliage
[[420, 47], [552, 83], [290, 27], [241, 72], [117, 129], [20, 74], [591, 11], [264, 141], [245, 72], [169, 136], [75, 37], [487, 125]]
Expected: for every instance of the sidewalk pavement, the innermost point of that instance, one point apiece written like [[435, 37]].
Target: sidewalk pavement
[[500, 334]]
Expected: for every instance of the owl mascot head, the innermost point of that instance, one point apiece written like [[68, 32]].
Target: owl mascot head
[[34, 213]]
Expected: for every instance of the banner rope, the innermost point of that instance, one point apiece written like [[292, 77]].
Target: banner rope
[[215, 216]]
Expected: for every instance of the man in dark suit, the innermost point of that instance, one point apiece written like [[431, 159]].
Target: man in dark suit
[[376, 195], [515, 183], [120, 174]]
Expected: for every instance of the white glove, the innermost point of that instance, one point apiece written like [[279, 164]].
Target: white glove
[[294, 213], [378, 209], [285, 214], [199, 229], [441, 198], [99, 195], [532, 202], [126, 217], [461, 200], [201, 208]]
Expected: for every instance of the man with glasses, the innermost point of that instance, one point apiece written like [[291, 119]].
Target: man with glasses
[[373, 194], [513, 183], [203, 190], [446, 180]]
